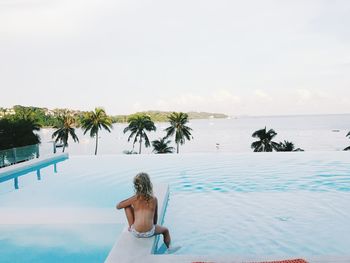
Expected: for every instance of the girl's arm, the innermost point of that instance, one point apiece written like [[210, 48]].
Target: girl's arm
[[155, 219], [126, 202]]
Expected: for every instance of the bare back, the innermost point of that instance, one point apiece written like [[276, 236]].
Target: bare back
[[144, 213]]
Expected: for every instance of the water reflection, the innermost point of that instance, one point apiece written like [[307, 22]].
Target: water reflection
[[15, 175], [57, 242]]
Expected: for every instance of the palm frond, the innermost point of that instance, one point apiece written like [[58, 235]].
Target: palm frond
[[64, 129], [177, 126], [161, 146], [138, 125], [265, 143]]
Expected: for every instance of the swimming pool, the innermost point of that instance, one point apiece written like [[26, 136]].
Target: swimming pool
[[283, 204]]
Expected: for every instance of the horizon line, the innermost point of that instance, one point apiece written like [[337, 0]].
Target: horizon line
[[198, 111]]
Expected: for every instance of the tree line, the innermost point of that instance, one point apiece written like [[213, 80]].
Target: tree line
[[42, 116], [49, 118], [19, 129]]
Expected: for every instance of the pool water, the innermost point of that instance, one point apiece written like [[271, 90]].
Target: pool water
[[283, 204], [56, 242], [45, 217], [263, 205]]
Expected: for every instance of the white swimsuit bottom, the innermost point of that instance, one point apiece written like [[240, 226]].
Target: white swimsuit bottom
[[142, 234]]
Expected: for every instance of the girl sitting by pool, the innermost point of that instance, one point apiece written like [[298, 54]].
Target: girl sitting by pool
[[142, 211]]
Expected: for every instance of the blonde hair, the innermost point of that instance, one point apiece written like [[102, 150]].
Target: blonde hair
[[143, 186]]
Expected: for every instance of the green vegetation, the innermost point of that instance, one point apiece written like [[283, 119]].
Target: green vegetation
[[16, 132], [265, 143], [162, 116], [94, 121], [64, 129], [18, 127], [347, 148], [34, 113], [49, 118], [42, 116], [138, 125], [287, 146], [205, 115], [162, 146], [177, 126]]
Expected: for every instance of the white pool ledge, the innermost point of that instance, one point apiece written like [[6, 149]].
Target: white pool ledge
[[20, 167]]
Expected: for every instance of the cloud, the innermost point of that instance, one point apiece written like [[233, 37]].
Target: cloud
[[307, 95], [123, 51], [262, 95], [189, 98], [219, 101], [137, 106], [225, 96], [303, 95]]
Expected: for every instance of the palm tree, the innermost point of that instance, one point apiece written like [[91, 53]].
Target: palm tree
[[287, 146], [177, 126], [161, 146], [347, 148], [16, 132], [94, 121], [64, 128], [138, 125], [265, 143]]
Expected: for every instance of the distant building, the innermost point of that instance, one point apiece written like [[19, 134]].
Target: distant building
[[49, 112], [5, 111]]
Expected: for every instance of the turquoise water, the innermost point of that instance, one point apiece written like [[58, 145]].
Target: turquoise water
[[220, 204], [46, 216], [56, 242], [280, 205]]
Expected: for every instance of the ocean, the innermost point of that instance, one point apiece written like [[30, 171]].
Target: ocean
[[309, 132]]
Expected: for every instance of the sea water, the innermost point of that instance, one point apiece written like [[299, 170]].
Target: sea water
[[311, 133]]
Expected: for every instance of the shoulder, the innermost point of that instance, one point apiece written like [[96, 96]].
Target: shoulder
[[127, 202], [155, 200], [134, 197]]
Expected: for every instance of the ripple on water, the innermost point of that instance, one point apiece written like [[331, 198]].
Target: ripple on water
[[259, 223], [238, 204]]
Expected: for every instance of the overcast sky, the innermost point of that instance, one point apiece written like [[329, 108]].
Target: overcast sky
[[235, 57]]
